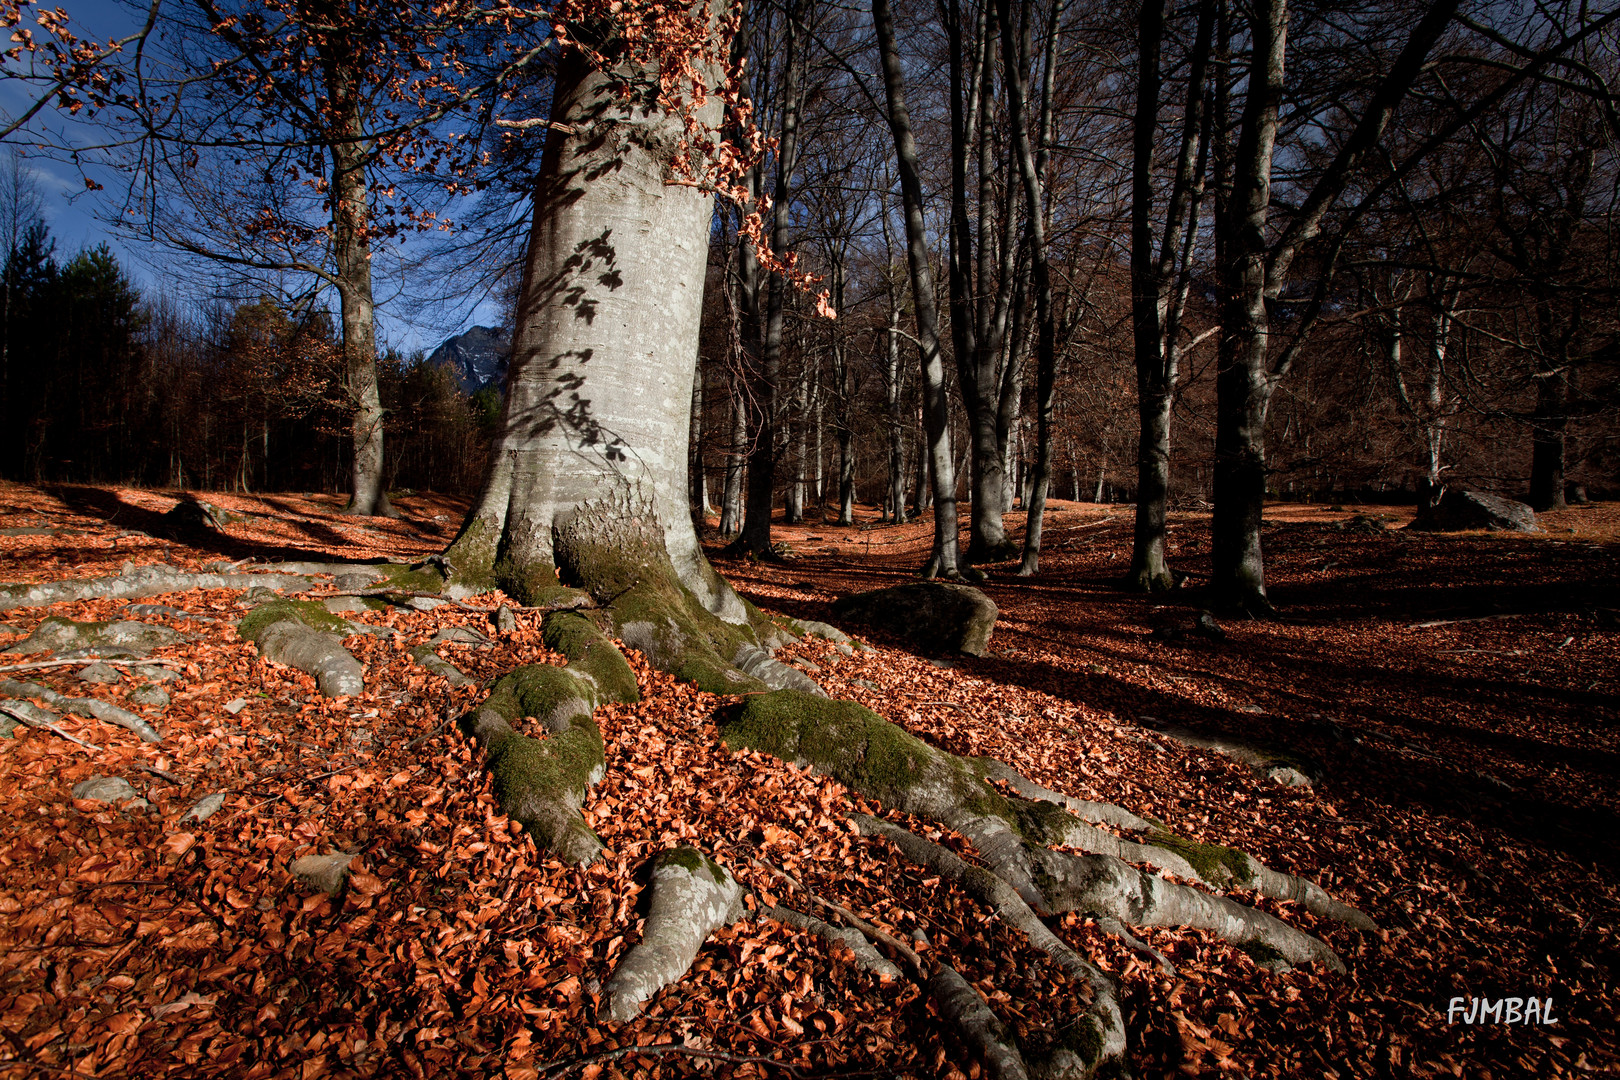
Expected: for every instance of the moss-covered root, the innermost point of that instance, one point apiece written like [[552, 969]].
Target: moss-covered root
[[1095, 812], [541, 783], [867, 958], [1105, 1040], [692, 897], [960, 1004], [303, 634], [1107, 886]]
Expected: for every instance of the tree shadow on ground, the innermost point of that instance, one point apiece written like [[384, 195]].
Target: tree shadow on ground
[[109, 507]]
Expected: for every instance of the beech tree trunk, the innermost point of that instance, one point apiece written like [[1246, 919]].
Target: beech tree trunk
[[351, 253], [936, 403], [588, 481]]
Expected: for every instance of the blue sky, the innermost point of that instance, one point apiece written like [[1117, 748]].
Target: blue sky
[[78, 218]]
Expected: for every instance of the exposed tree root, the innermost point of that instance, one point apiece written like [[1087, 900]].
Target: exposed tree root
[[136, 582], [1095, 812], [1107, 1035], [692, 896], [960, 1004], [101, 710], [304, 635], [867, 958], [426, 656], [541, 783]]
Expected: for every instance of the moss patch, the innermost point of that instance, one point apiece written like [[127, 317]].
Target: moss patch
[[856, 747], [589, 650], [472, 554], [312, 613], [1215, 864], [530, 583], [693, 862], [419, 579]]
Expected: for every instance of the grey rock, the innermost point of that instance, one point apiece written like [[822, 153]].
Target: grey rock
[[824, 630], [337, 605], [845, 648], [192, 518], [804, 664], [328, 873], [153, 673], [459, 633], [153, 696], [100, 673], [1459, 510], [235, 705], [940, 615], [423, 603], [104, 789], [60, 635], [205, 807], [505, 619], [259, 594]]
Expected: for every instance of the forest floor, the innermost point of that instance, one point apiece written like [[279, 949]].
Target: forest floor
[[1458, 696]]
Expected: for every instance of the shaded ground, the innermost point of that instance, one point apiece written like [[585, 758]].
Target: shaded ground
[[1468, 803]]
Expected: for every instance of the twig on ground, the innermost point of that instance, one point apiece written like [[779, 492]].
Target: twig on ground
[[1474, 618], [8, 708], [156, 661]]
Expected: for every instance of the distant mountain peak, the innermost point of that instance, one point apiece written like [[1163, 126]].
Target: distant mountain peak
[[476, 357]]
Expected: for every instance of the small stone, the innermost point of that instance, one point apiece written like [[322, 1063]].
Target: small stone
[[505, 619], [948, 664], [100, 673], [104, 789], [328, 873], [846, 648], [235, 705], [340, 604], [1256, 710], [147, 694], [868, 683], [205, 807], [423, 603], [259, 595], [458, 633], [1288, 776], [153, 673]]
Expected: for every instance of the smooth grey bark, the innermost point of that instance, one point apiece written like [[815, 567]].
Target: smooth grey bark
[[731, 506], [1160, 280], [351, 255], [1015, 52], [936, 403], [590, 463], [1254, 267], [696, 475]]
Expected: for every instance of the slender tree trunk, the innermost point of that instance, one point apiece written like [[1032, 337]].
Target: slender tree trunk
[[1156, 301], [731, 508], [351, 253], [698, 494], [936, 403]]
